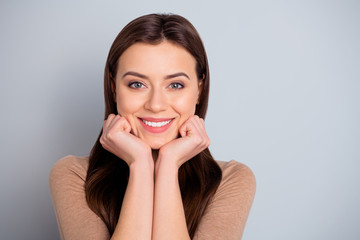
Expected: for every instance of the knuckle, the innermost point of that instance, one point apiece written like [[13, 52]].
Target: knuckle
[[108, 135], [103, 138], [106, 147], [205, 142], [198, 140], [103, 143]]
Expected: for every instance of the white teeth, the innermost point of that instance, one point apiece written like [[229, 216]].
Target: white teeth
[[156, 124]]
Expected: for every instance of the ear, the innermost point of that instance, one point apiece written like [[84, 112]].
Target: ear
[[113, 87], [201, 81]]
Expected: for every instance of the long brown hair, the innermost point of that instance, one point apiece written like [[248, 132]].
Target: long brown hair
[[107, 175]]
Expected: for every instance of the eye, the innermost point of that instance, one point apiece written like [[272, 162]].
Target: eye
[[176, 85], [136, 85]]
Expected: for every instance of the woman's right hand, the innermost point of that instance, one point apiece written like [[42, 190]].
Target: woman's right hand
[[117, 139]]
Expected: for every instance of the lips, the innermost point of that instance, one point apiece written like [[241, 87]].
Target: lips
[[156, 125]]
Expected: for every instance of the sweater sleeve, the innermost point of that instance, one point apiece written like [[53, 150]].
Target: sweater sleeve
[[227, 212], [75, 219]]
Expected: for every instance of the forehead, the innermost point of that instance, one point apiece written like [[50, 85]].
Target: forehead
[[165, 57]]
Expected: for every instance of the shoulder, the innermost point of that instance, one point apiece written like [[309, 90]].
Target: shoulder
[[227, 211], [234, 166], [69, 169], [237, 173], [71, 164], [67, 188], [238, 182]]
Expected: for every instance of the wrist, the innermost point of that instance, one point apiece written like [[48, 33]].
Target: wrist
[[167, 164], [146, 164]]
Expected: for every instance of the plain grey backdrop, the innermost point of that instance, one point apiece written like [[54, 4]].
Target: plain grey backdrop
[[285, 82]]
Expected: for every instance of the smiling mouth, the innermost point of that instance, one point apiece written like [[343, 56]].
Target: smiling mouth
[[156, 125]]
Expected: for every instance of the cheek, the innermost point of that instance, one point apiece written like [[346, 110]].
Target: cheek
[[185, 106], [127, 106]]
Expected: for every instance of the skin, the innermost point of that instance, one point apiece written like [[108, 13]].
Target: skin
[[157, 81]]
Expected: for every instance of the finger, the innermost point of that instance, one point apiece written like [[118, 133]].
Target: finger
[[188, 128], [121, 124], [126, 125], [199, 131], [203, 129], [198, 123], [108, 121], [113, 121], [202, 123], [184, 129]]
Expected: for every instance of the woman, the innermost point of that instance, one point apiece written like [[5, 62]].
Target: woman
[[150, 174]]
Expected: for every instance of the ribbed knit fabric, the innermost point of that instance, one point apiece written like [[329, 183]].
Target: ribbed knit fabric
[[224, 219]]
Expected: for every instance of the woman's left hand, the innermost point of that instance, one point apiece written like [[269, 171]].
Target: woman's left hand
[[193, 140]]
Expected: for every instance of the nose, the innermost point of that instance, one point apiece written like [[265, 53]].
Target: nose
[[156, 101]]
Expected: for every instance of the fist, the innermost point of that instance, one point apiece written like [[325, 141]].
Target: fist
[[117, 139], [193, 140]]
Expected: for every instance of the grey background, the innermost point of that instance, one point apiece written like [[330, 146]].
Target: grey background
[[284, 100]]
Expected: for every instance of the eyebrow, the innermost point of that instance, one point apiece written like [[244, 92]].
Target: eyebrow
[[136, 74]]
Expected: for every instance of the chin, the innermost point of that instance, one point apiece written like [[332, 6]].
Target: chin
[[156, 146], [157, 142]]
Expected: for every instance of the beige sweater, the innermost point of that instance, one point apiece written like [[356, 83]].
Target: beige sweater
[[224, 219]]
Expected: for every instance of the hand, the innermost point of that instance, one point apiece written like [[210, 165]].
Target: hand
[[116, 138], [193, 140]]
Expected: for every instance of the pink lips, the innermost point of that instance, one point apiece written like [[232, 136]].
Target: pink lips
[[156, 129]]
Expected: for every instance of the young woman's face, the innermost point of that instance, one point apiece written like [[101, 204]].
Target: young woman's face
[[156, 90]]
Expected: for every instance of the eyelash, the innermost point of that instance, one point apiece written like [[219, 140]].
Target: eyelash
[[132, 85], [177, 83], [180, 85]]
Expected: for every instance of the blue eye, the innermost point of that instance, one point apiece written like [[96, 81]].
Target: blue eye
[[136, 85], [176, 85]]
